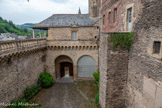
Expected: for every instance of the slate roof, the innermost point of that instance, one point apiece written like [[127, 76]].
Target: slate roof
[[66, 20]]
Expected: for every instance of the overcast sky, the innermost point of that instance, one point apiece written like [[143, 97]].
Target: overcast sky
[[34, 11]]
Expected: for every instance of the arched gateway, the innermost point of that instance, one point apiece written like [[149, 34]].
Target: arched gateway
[[63, 66]]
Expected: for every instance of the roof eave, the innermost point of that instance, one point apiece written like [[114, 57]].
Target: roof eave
[[44, 28]]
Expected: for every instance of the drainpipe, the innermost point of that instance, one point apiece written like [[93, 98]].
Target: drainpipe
[[98, 42]]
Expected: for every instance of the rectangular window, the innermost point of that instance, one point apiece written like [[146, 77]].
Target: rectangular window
[[74, 35], [115, 15], [94, 4], [104, 20], [129, 17], [109, 18], [156, 47]]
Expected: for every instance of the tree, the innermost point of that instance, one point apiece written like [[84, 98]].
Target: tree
[[25, 30]]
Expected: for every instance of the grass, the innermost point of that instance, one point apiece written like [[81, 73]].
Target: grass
[[89, 89]]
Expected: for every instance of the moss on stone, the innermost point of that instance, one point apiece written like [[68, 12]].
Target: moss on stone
[[124, 40]]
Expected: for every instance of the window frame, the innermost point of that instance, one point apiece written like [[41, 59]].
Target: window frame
[[103, 22], [94, 4], [115, 15], [109, 17], [128, 14], [156, 49], [76, 38]]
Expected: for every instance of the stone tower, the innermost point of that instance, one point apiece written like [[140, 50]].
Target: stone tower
[[93, 8]]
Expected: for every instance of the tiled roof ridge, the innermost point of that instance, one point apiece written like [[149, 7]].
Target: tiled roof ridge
[[64, 20]]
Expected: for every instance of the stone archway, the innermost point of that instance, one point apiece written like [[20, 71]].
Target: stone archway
[[63, 66]]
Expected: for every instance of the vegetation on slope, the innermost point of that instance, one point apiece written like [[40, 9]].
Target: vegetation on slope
[[10, 27], [28, 27]]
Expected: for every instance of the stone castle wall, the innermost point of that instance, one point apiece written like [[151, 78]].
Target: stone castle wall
[[19, 73], [141, 75], [113, 72], [144, 87]]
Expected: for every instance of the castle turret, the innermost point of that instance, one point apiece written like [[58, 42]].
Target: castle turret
[[93, 8]]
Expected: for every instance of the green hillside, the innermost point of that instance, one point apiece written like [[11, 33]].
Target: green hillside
[[28, 27], [10, 27]]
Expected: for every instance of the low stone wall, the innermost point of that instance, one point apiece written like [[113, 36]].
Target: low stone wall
[[19, 71], [113, 72]]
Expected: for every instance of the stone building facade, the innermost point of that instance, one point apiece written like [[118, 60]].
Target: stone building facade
[[72, 43], [137, 81], [144, 85], [119, 15]]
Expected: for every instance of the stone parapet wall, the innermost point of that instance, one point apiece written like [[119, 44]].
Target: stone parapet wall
[[11, 47], [113, 70]]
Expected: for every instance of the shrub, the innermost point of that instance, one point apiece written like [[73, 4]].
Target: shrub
[[97, 98], [124, 40], [45, 80], [96, 75], [18, 103], [31, 91]]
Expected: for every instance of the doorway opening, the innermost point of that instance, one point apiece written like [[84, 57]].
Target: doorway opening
[[63, 67], [66, 69]]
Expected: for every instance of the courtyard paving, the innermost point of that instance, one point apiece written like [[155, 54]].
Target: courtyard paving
[[63, 94]]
